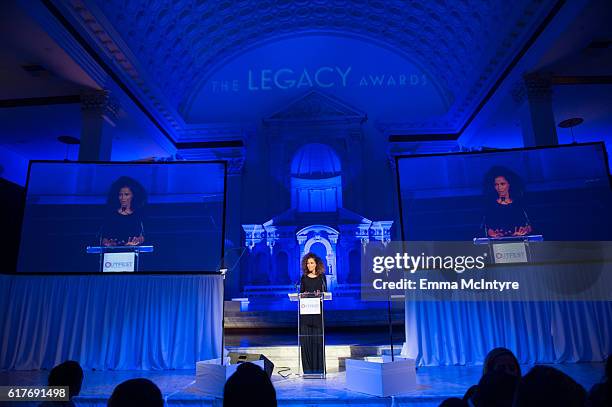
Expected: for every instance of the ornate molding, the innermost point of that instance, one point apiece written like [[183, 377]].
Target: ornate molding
[[381, 231], [234, 156], [116, 51], [67, 42], [253, 235], [420, 147], [215, 131], [172, 49]]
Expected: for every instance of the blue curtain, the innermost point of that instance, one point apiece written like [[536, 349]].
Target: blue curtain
[[461, 333], [110, 321]]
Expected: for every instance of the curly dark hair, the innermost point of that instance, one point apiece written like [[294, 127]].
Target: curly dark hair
[[140, 195], [517, 187], [320, 269]]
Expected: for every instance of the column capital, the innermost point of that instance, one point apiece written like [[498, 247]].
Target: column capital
[[391, 160], [235, 166], [100, 102], [535, 86]]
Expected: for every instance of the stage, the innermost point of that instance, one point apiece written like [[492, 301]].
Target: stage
[[434, 384]]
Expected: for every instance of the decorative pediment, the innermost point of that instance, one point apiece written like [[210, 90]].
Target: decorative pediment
[[318, 107]]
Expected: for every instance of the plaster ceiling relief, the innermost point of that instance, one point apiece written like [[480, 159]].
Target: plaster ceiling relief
[[174, 48]]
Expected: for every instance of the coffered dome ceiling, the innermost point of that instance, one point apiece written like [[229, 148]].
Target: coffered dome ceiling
[[191, 60]]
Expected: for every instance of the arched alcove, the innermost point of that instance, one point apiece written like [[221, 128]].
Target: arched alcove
[[316, 181]]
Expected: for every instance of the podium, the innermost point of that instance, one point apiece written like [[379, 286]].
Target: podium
[[114, 259], [510, 249], [311, 333]]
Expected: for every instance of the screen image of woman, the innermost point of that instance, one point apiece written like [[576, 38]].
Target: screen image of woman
[[505, 213], [123, 224], [311, 326]]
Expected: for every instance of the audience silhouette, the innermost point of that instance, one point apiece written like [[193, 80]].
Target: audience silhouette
[[68, 373], [501, 359], [249, 386], [547, 386], [136, 392], [454, 402], [601, 393], [499, 363], [501, 385], [496, 389]]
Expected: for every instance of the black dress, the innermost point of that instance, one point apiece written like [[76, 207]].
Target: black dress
[[311, 329], [122, 227], [505, 217]]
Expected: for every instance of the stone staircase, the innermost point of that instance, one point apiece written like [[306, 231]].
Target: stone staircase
[[285, 358], [287, 318]]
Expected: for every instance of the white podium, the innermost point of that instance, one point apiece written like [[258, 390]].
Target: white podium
[[311, 307], [510, 249], [116, 259]]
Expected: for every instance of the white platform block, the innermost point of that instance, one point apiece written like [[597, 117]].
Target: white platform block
[[211, 375], [379, 376]]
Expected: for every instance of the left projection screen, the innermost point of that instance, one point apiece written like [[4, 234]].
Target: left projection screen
[[171, 214]]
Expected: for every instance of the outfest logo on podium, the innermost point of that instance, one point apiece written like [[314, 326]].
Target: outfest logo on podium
[[118, 262]]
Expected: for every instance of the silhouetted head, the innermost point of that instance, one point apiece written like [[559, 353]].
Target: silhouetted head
[[453, 402], [249, 386], [496, 389], [68, 374], [501, 359], [312, 263], [547, 386], [136, 392], [470, 393]]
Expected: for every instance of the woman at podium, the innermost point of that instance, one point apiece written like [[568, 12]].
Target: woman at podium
[[123, 225], [311, 326], [505, 214]]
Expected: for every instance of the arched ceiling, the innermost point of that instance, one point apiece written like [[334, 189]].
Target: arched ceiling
[[168, 49]]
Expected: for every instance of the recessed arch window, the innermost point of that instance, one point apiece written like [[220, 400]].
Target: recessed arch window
[[316, 181]]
